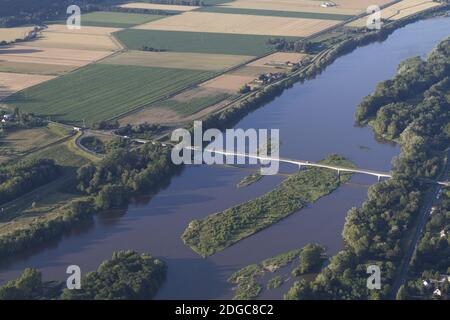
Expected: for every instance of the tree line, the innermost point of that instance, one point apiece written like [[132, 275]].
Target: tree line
[[127, 275]]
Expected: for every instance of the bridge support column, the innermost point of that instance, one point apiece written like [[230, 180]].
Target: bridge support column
[[379, 178], [339, 174]]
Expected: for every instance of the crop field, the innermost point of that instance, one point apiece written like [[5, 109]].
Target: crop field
[[399, 10], [342, 6], [177, 60], [194, 100], [106, 90], [197, 42], [13, 82], [87, 38], [277, 13], [11, 34], [116, 19], [278, 58], [228, 82], [34, 68], [239, 24], [154, 6], [70, 58]]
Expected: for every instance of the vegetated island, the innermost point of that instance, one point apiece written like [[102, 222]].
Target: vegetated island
[[308, 259], [128, 275], [221, 230], [248, 180]]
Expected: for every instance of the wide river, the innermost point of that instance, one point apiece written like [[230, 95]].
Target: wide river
[[315, 119]]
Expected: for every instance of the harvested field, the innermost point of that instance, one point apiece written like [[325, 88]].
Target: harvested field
[[399, 10], [255, 71], [107, 91], [293, 6], [228, 82], [13, 82], [11, 34], [278, 58], [198, 42], [51, 56], [87, 38], [193, 61], [239, 24], [34, 68], [116, 19], [154, 6]]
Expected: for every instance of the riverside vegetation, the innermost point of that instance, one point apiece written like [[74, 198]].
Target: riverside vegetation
[[378, 231], [128, 275], [219, 231]]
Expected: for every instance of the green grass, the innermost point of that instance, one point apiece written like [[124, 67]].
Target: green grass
[[218, 231], [277, 13], [100, 92], [117, 19], [186, 108], [197, 42]]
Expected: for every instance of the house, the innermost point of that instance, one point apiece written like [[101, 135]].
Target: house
[[426, 283], [437, 292], [442, 234], [78, 129]]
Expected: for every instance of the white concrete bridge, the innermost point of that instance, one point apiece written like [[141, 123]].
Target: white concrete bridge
[[305, 163]]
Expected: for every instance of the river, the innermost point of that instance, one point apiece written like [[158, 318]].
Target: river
[[315, 119]]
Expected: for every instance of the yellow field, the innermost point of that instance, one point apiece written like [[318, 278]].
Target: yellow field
[[13, 82], [34, 68], [54, 56], [278, 58], [349, 7], [86, 30], [11, 34], [399, 10], [239, 24], [178, 60], [228, 82], [154, 6]]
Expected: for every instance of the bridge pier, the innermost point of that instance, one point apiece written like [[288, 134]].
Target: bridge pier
[[339, 174], [379, 178]]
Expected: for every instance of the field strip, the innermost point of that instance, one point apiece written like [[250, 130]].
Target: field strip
[[11, 83], [155, 6], [346, 7], [277, 13], [239, 24], [177, 60]]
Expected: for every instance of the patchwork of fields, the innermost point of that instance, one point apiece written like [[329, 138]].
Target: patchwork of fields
[[98, 91], [151, 63]]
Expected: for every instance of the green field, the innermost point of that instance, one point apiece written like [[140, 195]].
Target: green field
[[100, 92], [117, 19], [191, 106], [277, 13], [199, 42]]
